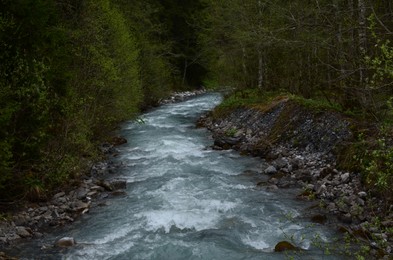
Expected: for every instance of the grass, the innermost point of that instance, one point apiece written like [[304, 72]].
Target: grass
[[264, 100]]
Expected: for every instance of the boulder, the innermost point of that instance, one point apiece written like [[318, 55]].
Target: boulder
[[285, 246], [65, 242]]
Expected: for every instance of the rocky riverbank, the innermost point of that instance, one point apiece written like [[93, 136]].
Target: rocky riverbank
[[33, 220], [301, 146], [181, 96]]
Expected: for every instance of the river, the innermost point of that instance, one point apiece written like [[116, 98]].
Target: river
[[187, 201]]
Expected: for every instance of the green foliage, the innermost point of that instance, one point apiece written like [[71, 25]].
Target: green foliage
[[231, 132], [377, 165], [70, 72]]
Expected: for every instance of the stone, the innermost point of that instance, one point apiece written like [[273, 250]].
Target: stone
[[345, 177], [65, 242], [310, 186], [118, 140], [320, 219], [118, 193], [346, 218], [303, 175], [332, 207], [272, 187], [115, 184], [58, 195], [362, 194], [279, 163], [118, 184], [106, 185], [97, 188], [285, 246], [23, 232], [81, 192], [270, 170], [79, 206]]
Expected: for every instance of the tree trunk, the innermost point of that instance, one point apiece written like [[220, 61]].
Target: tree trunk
[[260, 69]]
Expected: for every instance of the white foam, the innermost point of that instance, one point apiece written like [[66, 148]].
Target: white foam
[[166, 219], [256, 242]]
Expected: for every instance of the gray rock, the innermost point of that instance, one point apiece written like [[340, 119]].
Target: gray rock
[[58, 195], [118, 184], [270, 170], [65, 242], [79, 206], [345, 177], [23, 232], [332, 207], [272, 187], [280, 163], [81, 193], [362, 194]]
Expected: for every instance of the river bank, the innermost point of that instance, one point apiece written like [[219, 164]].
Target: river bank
[[29, 220], [301, 147]]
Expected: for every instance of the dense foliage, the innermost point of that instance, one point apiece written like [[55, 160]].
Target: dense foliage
[[70, 71]]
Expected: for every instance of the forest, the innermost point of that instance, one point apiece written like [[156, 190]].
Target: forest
[[72, 70]]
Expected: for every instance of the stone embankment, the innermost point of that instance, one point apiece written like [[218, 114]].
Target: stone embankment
[[32, 220], [300, 146]]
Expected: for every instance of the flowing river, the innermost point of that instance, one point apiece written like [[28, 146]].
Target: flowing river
[[187, 201]]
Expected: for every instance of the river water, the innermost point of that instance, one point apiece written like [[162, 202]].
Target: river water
[[187, 201]]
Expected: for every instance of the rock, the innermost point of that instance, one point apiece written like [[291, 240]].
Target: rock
[[332, 207], [105, 184], [111, 185], [345, 177], [118, 184], [224, 141], [303, 174], [346, 218], [118, 140], [279, 163], [21, 220], [320, 219], [4, 256], [58, 195], [362, 194], [23, 232], [310, 186], [79, 206], [97, 188], [272, 187], [81, 193], [285, 246], [65, 242], [118, 193], [270, 170]]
